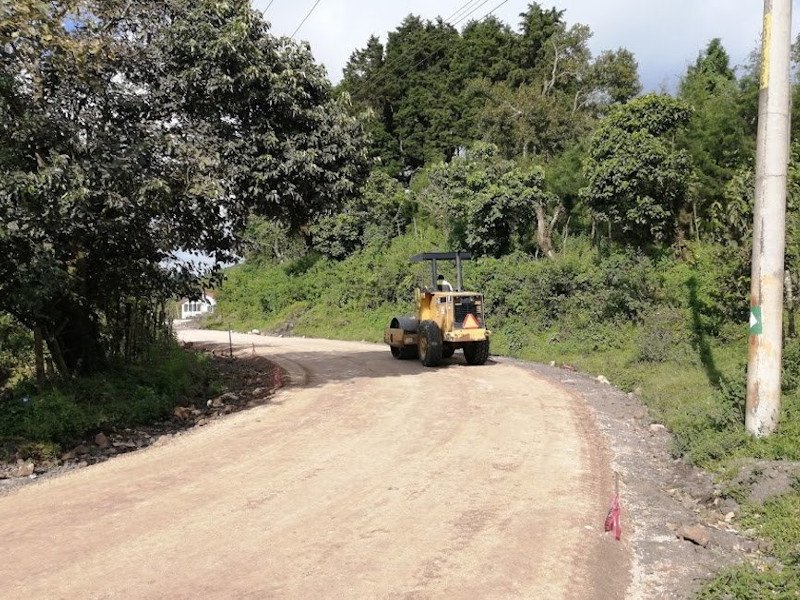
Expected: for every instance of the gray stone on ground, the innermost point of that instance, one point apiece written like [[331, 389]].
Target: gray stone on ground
[[766, 479], [25, 469], [697, 534]]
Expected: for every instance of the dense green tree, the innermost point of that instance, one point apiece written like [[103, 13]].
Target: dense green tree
[[615, 75], [267, 241], [488, 204], [524, 122], [717, 137], [537, 28], [636, 175], [411, 90], [486, 50], [531, 92], [380, 212], [565, 91], [713, 62], [131, 130]]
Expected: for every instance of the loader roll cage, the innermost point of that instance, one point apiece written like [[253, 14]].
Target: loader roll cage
[[456, 257]]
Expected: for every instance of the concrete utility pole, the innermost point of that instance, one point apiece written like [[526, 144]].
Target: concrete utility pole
[[769, 226]]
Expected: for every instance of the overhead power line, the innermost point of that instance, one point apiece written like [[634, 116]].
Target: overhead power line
[[400, 60], [470, 13], [460, 11], [380, 78], [268, 5], [308, 14]]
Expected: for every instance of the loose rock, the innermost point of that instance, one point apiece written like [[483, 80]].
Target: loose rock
[[603, 379], [25, 470], [697, 534], [657, 428], [101, 440], [182, 413]]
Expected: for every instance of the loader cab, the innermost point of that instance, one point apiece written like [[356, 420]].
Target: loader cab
[[447, 318]]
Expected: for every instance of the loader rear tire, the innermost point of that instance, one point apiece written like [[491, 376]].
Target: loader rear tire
[[430, 344], [476, 353]]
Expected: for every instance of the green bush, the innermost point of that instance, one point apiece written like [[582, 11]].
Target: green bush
[[664, 336], [125, 396], [16, 351]]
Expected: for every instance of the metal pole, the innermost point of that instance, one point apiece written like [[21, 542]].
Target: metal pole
[[459, 281], [769, 225]]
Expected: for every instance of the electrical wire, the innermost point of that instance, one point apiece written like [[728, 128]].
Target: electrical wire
[[308, 14], [399, 61], [461, 10], [464, 17], [268, 5]]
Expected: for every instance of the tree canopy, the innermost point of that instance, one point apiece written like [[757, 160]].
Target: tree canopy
[[636, 177], [433, 89], [131, 130]]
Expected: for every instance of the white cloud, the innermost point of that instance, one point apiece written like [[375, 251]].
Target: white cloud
[[665, 36]]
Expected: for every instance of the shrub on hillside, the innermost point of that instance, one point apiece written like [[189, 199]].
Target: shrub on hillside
[[16, 350], [126, 396], [664, 336]]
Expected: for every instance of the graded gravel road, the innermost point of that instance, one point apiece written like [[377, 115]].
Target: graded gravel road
[[367, 477]]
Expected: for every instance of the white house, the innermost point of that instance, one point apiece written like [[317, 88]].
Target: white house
[[195, 308]]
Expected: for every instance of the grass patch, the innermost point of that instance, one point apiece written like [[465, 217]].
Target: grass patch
[[775, 582], [38, 424], [778, 520]]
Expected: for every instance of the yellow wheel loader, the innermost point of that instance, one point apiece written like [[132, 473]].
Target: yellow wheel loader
[[447, 319]]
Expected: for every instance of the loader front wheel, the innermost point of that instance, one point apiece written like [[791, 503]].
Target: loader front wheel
[[403, 353], [430, 343]]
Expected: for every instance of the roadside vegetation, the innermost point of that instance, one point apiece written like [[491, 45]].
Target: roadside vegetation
[[129, 144], [40, 423]]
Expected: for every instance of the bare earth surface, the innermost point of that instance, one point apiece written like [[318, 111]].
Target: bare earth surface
[[367, 477]]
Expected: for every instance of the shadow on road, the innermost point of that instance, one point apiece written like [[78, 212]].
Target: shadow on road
[[316, 368]]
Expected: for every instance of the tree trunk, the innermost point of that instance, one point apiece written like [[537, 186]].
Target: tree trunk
[[544, 230], [76, 344], [38, 350]]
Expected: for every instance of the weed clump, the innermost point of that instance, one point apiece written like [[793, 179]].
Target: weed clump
[[33, 421]]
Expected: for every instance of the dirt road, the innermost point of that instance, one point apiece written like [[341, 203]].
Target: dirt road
[[368, 478]]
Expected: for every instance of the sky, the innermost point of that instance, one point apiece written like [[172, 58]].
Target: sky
[[665, 35]]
